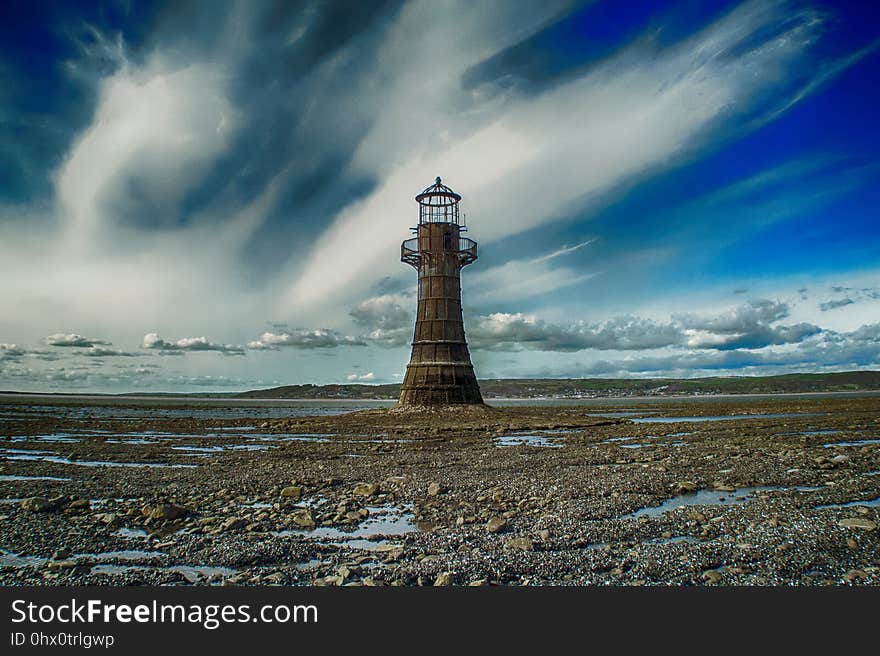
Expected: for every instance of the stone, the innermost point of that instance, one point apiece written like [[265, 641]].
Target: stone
[[60, 564], [165, 511], [80, 504], [365, 489], [860, 523], [435, 489], [443, 579], [683, 487], [496, 525], [37, 504], [110, 519], [292, 492], [478, 583], [233, 523], [722, 487], [519, 544], [711, 576], [303, 518]]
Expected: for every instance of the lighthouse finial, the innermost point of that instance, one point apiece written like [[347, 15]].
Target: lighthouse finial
[[438, 180]]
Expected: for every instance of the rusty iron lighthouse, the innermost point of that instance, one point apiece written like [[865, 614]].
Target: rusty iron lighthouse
[[439, 370]]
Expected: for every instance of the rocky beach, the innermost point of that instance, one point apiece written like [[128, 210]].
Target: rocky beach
[[723, 491]]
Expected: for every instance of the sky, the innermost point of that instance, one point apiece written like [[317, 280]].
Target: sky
[[211, 196]]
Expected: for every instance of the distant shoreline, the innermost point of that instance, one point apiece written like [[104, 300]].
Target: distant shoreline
[[538, 389]]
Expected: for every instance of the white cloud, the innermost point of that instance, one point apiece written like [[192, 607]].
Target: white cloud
[[152, 341], [304, 339], [361, 377], [155, 129], [72, 339]]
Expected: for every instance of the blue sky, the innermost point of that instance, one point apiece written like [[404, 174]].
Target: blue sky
[[211, 195]]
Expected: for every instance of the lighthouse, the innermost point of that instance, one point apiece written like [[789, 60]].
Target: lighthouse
[[439, 371]]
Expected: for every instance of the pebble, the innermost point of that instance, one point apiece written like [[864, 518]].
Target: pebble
[[496, 525]]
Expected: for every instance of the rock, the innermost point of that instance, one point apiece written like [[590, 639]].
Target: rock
[[711, 576], [519, 544], [683, 487], [292, 492], [303, 518], [61, 554], [859, 523], [840, 458], [165, 511], [855, 575], [852, 544], [544, 535], [365, 489], [478, 583], [80, 504], [37, 504], [443, 579], [61, 564], [496, 525], [722, 487], [233, 523], [110, 519], [434, 489]]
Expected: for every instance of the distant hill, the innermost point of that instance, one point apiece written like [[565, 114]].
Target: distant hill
[[848, 381]]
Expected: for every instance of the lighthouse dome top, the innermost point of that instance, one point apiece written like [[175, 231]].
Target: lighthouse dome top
[[438, 195]]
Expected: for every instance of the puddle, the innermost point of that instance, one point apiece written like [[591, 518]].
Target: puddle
[[852, 443], [15, 477], [134, 533], [708, 498], [521, 439], [55, 437], [871, 503], [689, 539], [46, 456], [120, 555], [383, 521], [672, 420], [9, 559], [199, 449], [292, 437], [237, 428], [192, 573], [257, 504], [251, 447], [134, 440]]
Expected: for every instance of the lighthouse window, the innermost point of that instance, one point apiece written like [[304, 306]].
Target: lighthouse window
[[447, 241]]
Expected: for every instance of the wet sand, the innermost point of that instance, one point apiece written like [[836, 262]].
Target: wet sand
[[629, 492]]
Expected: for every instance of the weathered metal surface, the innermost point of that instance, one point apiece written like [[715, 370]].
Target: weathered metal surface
[[440, 370]]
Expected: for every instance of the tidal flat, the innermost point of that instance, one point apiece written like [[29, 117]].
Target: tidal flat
[[704, 491]]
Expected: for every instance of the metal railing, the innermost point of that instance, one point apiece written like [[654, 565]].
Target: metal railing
[[410, 253]]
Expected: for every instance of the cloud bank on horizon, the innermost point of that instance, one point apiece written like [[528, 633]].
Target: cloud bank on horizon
[[670, 189]]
